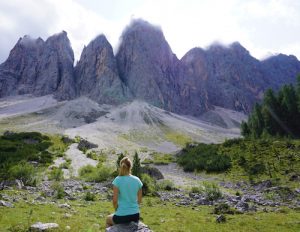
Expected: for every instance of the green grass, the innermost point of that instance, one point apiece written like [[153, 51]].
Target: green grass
[[178, 138], [160, 217], [254, 160]]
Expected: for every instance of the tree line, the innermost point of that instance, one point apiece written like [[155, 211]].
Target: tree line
[[277, 115]]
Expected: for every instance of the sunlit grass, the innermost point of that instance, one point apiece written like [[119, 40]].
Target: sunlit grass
[[159, 216]]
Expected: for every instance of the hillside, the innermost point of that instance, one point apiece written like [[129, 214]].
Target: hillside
[[131, 126]]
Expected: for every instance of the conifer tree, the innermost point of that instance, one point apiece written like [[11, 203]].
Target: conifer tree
[[136, 167], [120, 157]]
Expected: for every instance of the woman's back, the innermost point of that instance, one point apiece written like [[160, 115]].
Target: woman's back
[[128, 187]]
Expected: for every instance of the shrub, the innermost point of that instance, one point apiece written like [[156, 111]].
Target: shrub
[[56, 174], [23, 171], [196, 189], [162, 159], [148, 185], [64, 165], [165, 185], [223, 208], [90, 196], [204, 157], [92, 155], [59, 191], [257, 168], [147, 161], [212, 191], [97, 174]]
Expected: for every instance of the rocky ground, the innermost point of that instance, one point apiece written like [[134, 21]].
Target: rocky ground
[[241, 196]]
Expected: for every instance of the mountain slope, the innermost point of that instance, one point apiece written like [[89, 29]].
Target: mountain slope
[[131, 126]]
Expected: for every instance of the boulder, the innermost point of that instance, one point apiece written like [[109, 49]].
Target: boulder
[[6, 204], [129, 227], [153, 172], [39, 226], [86, 145]]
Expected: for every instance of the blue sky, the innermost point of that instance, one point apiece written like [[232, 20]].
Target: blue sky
[[264, 27]]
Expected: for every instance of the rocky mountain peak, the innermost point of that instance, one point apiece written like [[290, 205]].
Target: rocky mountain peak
[[152, 72], [97, 75], [39, 68]]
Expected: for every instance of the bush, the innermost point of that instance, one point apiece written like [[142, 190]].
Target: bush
[[223, 208], [257, 168], [162, 159], [96, 174], [148, 185], [90, 196], [196, 189], [25, 172], [165, 185], [56, 174], [204, 157], [212, 191], [92, 155], [59, 191]]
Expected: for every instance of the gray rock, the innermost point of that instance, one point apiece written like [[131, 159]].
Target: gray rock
[[39, 226], [86, 145], [6, 204], [221, 219], [129, 227], [242, 206], [153, 172], [65, 205]]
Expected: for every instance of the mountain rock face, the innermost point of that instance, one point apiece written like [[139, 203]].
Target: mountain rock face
[[234, 79], [153, 73], [97, 74], [280, 70], [144, 68], [39, 67]]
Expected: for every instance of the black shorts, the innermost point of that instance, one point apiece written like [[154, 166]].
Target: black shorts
[[126, 219]]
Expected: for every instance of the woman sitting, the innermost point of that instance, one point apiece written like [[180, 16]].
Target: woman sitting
[[127, 195]]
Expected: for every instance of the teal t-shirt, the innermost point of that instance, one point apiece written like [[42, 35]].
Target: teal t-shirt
[[128, 187]]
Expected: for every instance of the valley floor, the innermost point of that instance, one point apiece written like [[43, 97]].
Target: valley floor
[[160, 216]]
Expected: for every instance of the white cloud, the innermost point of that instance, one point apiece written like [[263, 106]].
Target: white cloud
[[263, 27]]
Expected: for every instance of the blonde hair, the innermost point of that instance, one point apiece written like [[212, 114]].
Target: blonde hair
[[125, 167]]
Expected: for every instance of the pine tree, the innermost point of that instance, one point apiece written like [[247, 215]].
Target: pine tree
[[256, 122], [136, 167], [120, 157], [245, 131]]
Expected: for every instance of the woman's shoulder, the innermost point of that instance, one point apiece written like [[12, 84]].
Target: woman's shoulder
[[134, 177]]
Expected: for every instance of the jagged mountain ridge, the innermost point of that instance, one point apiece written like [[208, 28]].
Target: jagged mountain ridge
[[144, 68], [39, 67]]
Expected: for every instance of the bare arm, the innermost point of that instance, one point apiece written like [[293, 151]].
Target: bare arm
[[140, 195], [115, 197]]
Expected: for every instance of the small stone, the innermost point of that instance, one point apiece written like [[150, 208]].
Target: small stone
[[132, 226], [65, 205], [39, 226], [68, 227], [221, 219], [67, 215]]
